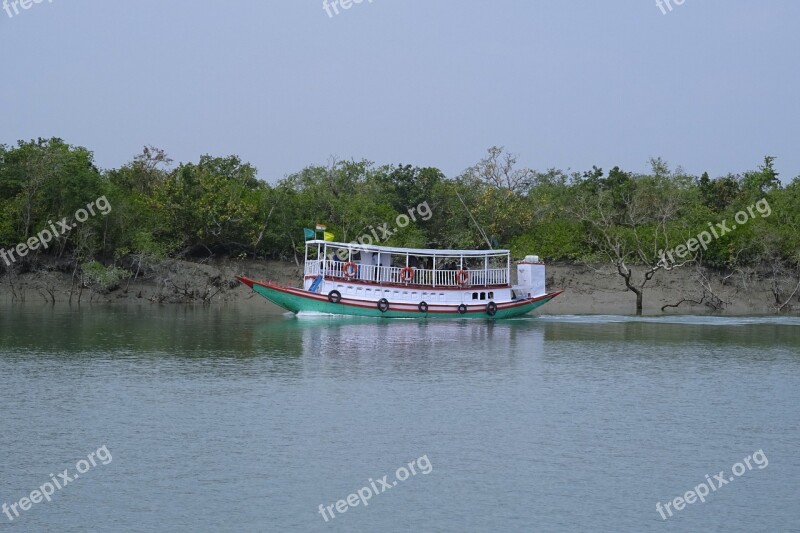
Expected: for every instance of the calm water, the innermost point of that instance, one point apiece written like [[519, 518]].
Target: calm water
[[237, 420]]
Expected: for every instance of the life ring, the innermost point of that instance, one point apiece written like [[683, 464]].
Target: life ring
[[462, 277], [383, 305], [491, 309], [349, 269], [462, 309], [423, 307], [334, 297], [407, 274]]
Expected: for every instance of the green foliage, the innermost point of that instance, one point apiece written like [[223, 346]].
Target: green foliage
[[219, 206], [105, 278], [212, 206], [557, 240]]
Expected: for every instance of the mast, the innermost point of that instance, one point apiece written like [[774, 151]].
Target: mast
[[480, 229]]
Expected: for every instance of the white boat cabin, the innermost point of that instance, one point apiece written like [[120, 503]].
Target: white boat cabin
[[368, 272]]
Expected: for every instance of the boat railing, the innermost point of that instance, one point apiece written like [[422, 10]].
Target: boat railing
[[312, 268], [395, 275]]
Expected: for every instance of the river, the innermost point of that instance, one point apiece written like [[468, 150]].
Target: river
[[237, 419]]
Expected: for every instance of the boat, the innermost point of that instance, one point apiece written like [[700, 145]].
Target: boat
[[389, 282]]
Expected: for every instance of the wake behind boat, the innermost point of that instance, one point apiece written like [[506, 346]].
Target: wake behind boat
[[382, 281]]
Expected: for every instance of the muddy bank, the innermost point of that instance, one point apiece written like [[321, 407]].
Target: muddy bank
[[588, 289], [165, 282], [599, 289]]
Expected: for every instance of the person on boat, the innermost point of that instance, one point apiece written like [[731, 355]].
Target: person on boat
[[415, 263], [356, 258]]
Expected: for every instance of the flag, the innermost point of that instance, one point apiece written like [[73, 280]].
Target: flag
[[328, 236], [321, 227], [309, 233]]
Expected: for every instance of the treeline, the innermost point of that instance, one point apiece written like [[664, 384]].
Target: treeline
[[218, 206]]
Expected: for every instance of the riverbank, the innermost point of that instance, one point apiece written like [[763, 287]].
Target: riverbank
[[588, 289]]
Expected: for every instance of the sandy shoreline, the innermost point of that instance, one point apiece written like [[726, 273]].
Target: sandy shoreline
[[587, 289]]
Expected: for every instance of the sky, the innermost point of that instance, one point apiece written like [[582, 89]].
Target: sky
[[710, 85]]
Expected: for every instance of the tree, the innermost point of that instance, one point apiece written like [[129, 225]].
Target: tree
[[630, 220], [43, 181], [499, 170], [759, 183], [211, 205]]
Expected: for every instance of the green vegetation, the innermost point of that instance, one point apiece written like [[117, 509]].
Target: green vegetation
[[219, 207]]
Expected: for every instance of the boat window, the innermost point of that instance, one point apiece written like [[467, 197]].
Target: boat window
[[491, 296], [474, 295], [483, 296]]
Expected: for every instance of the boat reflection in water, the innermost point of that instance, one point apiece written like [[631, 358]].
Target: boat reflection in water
[[361, 345]]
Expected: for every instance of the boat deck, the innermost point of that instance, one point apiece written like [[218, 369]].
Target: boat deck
[[408, 276]]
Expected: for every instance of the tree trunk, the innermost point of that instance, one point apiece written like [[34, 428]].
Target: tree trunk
[[626, 274]]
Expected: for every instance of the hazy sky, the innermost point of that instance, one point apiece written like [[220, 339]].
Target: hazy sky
[[712, 85]]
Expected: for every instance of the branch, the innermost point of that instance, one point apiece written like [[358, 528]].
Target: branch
[[780, 308], [682, 300]]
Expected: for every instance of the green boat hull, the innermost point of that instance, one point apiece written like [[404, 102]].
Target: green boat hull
[[298, 301]]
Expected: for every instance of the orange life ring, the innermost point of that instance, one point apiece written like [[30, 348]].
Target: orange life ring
[[407, 274], [462, 277], [349, 269]]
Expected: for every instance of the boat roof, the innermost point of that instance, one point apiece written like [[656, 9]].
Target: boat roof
[[410, 251]]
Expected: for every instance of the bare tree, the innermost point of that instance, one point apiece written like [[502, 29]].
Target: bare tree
[[499, 169], [629, 221]]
